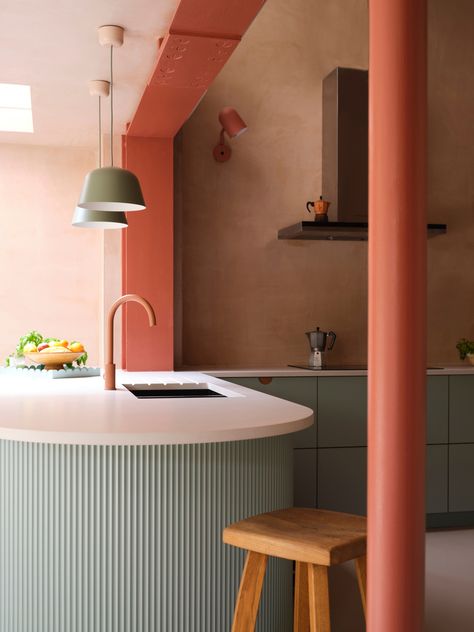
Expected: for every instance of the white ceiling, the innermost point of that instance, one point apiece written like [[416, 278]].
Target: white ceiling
[[52, 45]]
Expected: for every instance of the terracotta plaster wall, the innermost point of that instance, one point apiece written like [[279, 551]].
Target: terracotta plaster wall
[[50, 272], [450, 176], [247, 297]]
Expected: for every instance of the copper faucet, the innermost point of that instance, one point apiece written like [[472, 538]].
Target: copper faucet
[[109, 373]]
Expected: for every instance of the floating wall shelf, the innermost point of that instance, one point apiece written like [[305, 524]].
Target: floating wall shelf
[[340, 231]]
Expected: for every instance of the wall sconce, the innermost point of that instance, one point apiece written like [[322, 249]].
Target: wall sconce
[[234, 126]]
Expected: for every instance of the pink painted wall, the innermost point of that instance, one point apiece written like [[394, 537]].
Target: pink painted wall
[[50, 271]]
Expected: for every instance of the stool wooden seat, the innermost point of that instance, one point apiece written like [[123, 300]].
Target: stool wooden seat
[[314, 539]]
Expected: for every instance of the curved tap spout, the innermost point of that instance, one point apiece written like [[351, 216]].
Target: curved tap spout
[[109, 370]]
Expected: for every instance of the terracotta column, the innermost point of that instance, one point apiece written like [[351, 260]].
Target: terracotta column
[[397, 320], [147, 257]]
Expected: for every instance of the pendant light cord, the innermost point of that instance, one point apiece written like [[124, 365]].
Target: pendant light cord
[[111, 106], [100, 134]]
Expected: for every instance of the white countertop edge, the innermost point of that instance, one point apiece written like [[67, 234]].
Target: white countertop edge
[[122, 439], [294, 372]]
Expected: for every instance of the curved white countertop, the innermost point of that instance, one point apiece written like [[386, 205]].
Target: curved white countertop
[[80, 411]]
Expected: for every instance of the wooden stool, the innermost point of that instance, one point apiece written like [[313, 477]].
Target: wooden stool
[[314, 539]]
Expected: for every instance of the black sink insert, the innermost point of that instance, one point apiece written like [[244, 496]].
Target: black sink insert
[[154, 391]]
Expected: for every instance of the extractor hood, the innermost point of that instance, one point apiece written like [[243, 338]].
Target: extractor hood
[[345, 165]]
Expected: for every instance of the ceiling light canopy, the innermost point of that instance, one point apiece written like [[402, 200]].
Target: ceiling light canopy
[[111, 188], [15, 108]]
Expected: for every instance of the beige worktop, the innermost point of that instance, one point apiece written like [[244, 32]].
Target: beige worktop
[[286, 371], [80, 411]]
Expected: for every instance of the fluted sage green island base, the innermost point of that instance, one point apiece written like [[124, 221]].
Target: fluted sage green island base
[[128, 538]]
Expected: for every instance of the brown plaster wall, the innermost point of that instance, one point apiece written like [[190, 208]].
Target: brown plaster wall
[[451, 176], [247, 298]]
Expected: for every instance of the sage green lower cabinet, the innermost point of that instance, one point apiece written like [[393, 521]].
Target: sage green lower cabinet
[[300, 390], [437, 409], [461, 477], [330, 462], [305, 478], [342, 411], [342, 479], [436, 479], [461, 409]]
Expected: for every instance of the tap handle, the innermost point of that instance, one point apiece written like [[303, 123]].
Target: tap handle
[[331, 335]]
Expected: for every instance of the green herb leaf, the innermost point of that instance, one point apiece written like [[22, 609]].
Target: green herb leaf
[[33, 336], [465, 347], [82, 359]]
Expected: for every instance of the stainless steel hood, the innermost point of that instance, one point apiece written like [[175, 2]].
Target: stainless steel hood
[[344, 162]]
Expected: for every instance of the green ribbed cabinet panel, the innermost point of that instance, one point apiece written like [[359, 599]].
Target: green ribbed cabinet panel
[[128, 538]]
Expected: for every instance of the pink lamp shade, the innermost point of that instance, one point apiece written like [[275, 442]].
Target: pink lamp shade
[[233, 126], [231, 122]]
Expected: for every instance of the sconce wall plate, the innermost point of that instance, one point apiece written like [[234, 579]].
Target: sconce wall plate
[[222, 152]]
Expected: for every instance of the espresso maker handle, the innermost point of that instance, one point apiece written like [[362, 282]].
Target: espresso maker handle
[[308, 204], [331, 335]]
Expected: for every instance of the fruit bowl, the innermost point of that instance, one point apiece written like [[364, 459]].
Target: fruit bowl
[[54, 361]]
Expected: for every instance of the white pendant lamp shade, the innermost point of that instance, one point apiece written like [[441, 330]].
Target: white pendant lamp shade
[[84, 218], [111, 189]]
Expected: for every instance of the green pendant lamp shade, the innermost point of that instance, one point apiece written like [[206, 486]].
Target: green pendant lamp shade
[[84, 218], [111, 189]]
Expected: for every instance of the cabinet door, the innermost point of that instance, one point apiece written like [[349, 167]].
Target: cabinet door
[[461, 408], [437, 400], [300, 390], [461, 477], [342, 479], [342, 411], [436, 479], [305, 477]]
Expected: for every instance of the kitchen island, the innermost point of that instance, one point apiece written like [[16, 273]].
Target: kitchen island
[[112, 507]]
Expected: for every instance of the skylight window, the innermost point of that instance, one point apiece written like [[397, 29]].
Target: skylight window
[[15, 108]]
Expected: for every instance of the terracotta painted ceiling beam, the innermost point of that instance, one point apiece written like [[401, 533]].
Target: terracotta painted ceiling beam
[[201, 38]]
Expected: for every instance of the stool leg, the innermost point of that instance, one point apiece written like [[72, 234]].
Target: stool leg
[[361, 570], [301, 611], [248, 599], [318, 589]]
